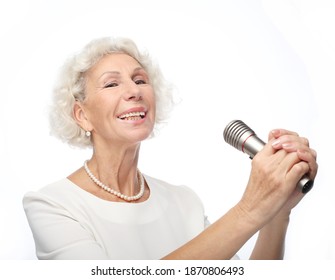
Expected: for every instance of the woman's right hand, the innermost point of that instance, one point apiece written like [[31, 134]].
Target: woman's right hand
[[275, 173]]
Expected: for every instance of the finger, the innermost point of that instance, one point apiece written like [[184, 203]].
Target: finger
[[276, 133], [290, 143], [289, 170], [298, 153], [309, 156], [301, 146], [269, 149], [297, 171]]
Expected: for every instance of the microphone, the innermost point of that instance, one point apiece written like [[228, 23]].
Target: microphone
[[244, 139]]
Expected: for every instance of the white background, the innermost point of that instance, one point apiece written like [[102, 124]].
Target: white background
[[268, 63]]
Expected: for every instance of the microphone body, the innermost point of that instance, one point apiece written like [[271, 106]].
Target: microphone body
[[244, 139]]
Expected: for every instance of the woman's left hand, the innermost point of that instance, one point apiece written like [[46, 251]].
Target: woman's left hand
[[291, 142]]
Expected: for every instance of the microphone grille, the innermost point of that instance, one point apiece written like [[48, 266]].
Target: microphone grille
[[234, 131]]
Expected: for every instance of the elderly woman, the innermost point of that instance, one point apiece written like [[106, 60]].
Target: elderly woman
[[111, 97]]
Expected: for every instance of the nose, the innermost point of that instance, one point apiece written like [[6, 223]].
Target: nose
[[132, 91]]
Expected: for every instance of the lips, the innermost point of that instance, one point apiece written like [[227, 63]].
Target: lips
[[133, 114]]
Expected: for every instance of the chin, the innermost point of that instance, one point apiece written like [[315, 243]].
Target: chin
[[138, 136]]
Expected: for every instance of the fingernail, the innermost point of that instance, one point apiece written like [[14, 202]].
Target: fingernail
[[287, 145], [276, 143]]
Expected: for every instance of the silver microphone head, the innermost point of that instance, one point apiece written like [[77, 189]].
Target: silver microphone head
[[243, 138]]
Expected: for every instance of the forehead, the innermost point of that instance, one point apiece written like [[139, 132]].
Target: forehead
[[119, 62]]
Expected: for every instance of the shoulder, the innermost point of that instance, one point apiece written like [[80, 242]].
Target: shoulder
[[56, 193], [180, 193], [166, 186], [54, 188]]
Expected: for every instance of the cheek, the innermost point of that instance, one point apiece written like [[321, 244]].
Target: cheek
[[101, 108], [152, 101], [153, 109]]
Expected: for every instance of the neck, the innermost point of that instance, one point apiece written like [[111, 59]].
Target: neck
[[117, 167]]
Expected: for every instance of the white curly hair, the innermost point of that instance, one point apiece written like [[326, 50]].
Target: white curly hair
[[70, 87]]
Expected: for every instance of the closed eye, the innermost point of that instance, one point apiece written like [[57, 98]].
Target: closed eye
[[109, 85], [140, 82]]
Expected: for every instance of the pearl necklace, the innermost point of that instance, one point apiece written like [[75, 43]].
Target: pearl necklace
[[114, 192]]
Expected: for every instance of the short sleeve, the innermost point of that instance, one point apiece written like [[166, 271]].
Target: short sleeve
[[57, 234]]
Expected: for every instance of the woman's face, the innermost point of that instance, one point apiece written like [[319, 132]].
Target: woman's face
[[120, 103]]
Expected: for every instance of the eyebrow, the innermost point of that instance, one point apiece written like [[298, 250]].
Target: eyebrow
[[109, 72], [118, 73]]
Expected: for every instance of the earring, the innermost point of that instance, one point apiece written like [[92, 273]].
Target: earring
[[88, 133]]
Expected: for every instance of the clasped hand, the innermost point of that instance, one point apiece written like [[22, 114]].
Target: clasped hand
[[275, 172]]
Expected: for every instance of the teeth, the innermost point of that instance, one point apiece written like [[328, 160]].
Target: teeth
[[132, 114]]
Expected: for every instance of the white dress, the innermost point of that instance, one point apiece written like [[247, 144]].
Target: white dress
[[68, 222]]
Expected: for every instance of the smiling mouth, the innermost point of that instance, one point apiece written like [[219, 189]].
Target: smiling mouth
[[133, 116]]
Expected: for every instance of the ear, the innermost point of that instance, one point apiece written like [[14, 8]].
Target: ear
[[80, 116]]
